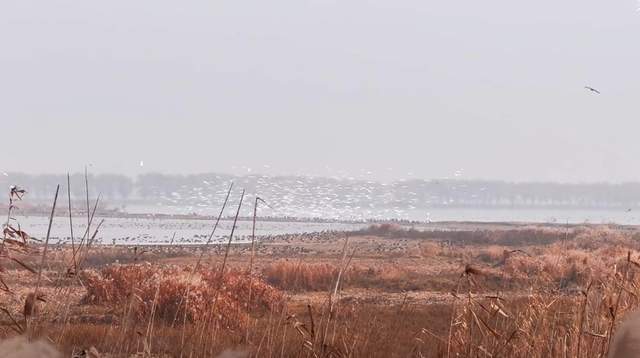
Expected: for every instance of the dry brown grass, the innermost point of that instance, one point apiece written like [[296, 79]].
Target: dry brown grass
[[511, 237], [300, 276], [146, 290], [543, 323], [561, 298], [297, 276]]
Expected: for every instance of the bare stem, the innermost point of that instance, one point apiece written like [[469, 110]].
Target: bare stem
[[44, 252], [73, 245]]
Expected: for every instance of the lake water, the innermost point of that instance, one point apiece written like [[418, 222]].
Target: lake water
[[543, 215], [577, 216], [125, 231]]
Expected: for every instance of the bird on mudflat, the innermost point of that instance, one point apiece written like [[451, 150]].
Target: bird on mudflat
[[592, 89]]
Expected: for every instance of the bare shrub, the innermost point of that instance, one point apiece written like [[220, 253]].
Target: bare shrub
[[140, 285]]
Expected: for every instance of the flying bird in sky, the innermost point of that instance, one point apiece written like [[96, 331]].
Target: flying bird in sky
[[592, 89]]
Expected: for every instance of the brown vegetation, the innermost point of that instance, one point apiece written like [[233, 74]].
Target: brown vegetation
[[172, 292], [387, 292]]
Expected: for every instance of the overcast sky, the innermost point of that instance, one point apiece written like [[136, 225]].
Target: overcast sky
[[487, 89]]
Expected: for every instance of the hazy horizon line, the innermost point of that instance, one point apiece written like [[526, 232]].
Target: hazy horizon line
[[312, 176]]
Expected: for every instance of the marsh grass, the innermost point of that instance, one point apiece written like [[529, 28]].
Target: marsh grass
[[518, 293], [549, 319]]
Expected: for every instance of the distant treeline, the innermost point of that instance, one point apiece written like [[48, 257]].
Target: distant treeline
[[316, 194]]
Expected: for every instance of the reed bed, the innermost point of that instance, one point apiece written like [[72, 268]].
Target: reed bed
[[566, 303], [529, 292], [158, 291]]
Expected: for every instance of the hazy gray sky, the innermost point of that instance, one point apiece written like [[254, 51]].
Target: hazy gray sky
[[379, 89]]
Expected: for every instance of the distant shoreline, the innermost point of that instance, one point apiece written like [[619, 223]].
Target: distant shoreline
[[451, 224]]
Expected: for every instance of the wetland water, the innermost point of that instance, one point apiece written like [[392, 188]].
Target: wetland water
[[139, 231]]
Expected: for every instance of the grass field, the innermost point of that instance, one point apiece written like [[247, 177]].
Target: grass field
[[384, 292]]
